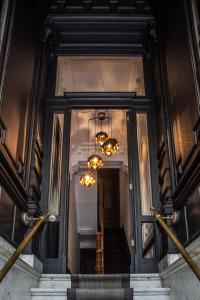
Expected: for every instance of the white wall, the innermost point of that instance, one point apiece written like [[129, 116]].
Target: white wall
[[23, 276], [86, 201], [82, 219]]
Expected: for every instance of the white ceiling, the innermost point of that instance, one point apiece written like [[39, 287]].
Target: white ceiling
[[99, 74]]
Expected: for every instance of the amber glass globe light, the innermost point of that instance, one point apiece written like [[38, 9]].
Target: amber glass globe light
[[110, 147], [87, 179], [95, 162], [101, 137]]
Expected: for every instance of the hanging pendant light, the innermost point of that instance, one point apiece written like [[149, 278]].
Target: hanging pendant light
[[110, 147], [101, 137], [87, 179], [95, 162]]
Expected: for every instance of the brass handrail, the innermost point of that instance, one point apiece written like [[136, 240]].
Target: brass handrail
[[8, 265], [177, 243]]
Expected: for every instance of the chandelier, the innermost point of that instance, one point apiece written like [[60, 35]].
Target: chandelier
[[95, 162], [87, 179], [108, 146], [101, 138]]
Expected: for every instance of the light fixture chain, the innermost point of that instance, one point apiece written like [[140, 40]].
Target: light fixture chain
[[111, 127], [88, 138], [108, 123]]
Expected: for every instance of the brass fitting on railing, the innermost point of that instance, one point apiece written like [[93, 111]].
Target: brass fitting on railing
[[175, 217], [193, 265], [38, 222], [26, 219]]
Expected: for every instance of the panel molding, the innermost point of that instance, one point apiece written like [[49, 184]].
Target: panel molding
[[34, 194], [80, 29], [189, 178], [189, 172], [164, 173], [19, 167], [11, 179], [5, 47]]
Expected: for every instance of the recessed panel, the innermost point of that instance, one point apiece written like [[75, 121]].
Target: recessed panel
[[56, 164], [148, 240], [144, 163]]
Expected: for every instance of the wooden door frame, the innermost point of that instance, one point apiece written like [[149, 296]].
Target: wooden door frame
[[73, 101]]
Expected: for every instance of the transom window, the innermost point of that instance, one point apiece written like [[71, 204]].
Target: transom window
[[100, 74]]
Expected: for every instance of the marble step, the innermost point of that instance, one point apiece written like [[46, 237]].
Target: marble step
[[145, 281], [146, 287], [152, 294], [136, 281], [55, 281], [138, 294], [48, 294]]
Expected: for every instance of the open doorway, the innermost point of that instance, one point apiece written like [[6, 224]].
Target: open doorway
[[111, 188], [71, 240]]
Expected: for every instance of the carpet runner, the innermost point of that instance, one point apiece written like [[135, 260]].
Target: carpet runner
[[98, 287]]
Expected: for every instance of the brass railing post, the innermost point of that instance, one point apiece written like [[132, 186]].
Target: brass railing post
[[8, 265], [177, 243]]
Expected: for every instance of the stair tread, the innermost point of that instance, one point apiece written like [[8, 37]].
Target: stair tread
[[101, 286], [100, 289], [99, 294]]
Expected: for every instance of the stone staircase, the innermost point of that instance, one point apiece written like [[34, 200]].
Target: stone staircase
[[56, 287], [148, 287]]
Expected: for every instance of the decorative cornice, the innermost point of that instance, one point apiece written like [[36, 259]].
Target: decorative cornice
[[92, 29]]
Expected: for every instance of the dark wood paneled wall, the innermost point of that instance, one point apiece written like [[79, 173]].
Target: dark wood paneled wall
[[176, 74], [23, 61], [16, 97]]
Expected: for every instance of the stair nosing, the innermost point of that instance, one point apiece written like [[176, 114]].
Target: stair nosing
[[152, 291]]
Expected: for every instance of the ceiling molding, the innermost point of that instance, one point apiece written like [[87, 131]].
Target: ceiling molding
[[89, 27]]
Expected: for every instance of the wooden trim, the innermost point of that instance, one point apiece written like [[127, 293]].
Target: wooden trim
[[4, 51], [86, 100], [11, 178], [8, 156], [11, 181], [164, 98], [196, 131], [189, 179], [195, 61], [32, 113]]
